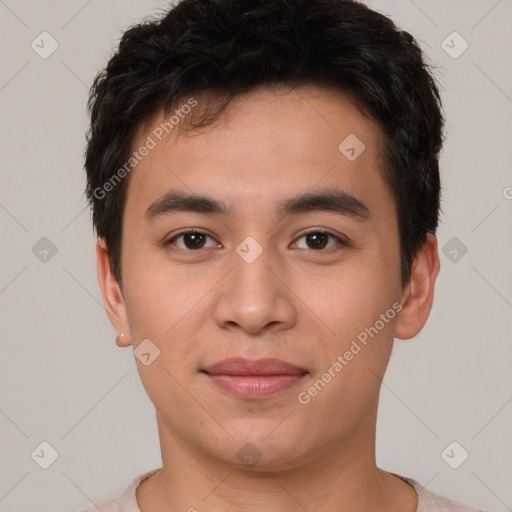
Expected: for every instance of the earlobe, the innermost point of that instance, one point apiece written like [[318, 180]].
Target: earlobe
[[419, 293], [113, 299]]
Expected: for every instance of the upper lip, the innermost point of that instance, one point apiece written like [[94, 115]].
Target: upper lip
[[265, 366]]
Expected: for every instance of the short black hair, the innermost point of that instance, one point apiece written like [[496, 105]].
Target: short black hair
[[233, 46]]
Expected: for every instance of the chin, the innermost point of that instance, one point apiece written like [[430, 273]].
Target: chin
[[259, 447]]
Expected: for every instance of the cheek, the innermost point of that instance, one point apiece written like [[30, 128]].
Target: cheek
[[356, 294], [153, 302], [167, 307], [356, 304]]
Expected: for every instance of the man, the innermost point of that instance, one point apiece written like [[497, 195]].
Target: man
[[265, 190]]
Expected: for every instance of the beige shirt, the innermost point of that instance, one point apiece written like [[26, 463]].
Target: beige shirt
[[427, 501]]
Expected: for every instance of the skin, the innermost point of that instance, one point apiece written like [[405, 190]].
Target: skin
[[294, 302]]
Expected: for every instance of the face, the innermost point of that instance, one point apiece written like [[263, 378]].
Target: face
[[289, 267]]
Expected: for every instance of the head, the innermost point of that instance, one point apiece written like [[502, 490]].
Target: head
[[276, 116]]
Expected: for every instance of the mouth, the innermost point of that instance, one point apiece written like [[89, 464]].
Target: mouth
[[253, 379]]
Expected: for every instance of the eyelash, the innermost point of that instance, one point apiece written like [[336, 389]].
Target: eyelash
[[340, 241]]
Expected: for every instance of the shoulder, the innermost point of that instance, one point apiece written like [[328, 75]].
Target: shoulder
[[431, 502], [126, 502]]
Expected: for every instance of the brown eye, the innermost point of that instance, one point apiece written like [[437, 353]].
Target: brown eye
[[192, 240], [319, 240]]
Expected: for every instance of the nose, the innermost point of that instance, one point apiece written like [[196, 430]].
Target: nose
[[255, 297]]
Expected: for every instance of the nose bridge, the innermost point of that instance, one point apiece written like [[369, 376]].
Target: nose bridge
[[252, 295], [252, 270], [253, 283]]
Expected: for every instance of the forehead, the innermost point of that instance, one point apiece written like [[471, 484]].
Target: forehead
[[266, 144]]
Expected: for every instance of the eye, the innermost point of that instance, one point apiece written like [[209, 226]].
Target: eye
[[318, 240], [192, 240]]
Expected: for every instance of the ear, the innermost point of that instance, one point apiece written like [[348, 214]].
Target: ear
[[112, 296], [419, 293]]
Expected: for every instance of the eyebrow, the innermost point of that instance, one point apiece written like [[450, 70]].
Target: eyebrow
[[327, 200]]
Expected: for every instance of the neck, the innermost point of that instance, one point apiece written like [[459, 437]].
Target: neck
[[341, 477]]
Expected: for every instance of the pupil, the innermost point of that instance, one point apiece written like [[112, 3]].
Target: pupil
[[315, 236], [196, 239]]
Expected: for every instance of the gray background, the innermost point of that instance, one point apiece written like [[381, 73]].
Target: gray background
[[64, 381]]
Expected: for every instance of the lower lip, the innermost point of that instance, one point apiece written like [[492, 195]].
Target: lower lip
[[255, 386]]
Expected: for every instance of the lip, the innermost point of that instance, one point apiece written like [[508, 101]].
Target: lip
[[266, 366], [254, 379]]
